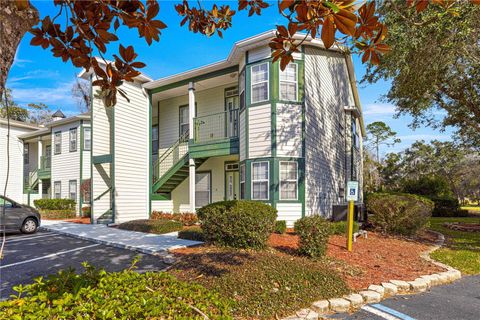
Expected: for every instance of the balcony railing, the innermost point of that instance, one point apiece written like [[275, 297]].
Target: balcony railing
[[170, 157], [45, 162], [217, 126]]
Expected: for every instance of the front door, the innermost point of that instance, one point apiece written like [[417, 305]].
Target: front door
[[231, 107], [232, 182]]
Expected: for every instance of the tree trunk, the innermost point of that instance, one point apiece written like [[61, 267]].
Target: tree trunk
[[14, 23]]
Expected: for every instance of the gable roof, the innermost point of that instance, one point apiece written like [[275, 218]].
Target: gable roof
[[58, 114]]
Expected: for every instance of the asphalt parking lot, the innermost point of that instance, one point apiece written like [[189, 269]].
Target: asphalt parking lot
[[27, 257]]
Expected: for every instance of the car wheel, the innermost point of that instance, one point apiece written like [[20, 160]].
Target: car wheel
[[30, 225]]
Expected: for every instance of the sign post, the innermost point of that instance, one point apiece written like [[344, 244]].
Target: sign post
[[352, 196]]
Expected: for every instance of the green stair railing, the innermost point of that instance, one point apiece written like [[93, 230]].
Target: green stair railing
[[170, 157]]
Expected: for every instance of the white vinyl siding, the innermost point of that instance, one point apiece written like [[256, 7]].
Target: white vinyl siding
[[203, 189], [289, 130], [259, 131], [259, 53], [87, 138], [259, 82], [289, 212], [260, 180], [72, 190], [289, 82], [57, 141], [162, 205], [288, 180], [73, 140], [57, 189], [327, 92]]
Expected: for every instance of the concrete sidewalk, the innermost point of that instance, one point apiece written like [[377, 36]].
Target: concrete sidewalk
[[148, 243]]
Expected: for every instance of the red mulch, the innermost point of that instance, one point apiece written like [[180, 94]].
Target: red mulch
[[376, 259], [83, 220]]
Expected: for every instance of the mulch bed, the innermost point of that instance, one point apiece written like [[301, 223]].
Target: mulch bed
[[83, 220], [374, 260]]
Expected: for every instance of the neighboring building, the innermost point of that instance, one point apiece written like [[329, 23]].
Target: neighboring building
[[237, 129], [57, 159], [15, 176]]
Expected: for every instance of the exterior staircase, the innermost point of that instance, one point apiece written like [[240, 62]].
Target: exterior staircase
[[31, 182], [171, 168]]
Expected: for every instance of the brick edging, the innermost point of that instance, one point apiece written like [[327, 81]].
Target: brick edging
[[375, 293]]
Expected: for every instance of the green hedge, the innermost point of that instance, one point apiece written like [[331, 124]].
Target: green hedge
[[447, 207], [54, 204], [58, 214], [314, 232], [97, 294], [194, 233], [340, 228], [238, 223], [280, 226], [151, 226], [399, 213]]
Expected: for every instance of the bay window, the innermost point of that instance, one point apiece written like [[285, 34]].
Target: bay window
[[289, 83], [288, 180], [259, 82], [260, 180]]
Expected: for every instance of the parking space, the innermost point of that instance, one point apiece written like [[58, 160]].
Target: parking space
[[29, 256]]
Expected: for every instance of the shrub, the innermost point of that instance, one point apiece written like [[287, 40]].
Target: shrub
[[447, 207], [58, 214], [280, 226], [86, 212], [55, 204], [187, 218], [97, 294], [151, 226], [313, 232], [428, 186], [240, 224], [340, 228], [399, 213], [194, 233]]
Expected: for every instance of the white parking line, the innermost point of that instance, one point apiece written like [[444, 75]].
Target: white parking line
[[48, 256], [379, 313], [51, 234]]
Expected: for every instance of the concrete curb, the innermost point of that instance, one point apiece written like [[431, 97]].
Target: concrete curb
[[375, 293], [165, 256]]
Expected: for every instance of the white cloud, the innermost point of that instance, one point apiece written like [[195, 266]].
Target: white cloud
[[17, 62], [426, 137], [35, 74], [374, 109]]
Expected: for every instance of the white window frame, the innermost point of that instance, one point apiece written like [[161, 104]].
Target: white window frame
[[288, 180], [87, 129], [70, 182], [261, 180], [209, 174], [59, 184], [74, 140], [57, 141], [180, 123], [243, 176], [255, 83], [26, 153], [288, 81]]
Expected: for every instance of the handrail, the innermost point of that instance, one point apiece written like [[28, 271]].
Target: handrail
[[183, 138], [216, 126], [104, 193], [174, 148], [32, 177]]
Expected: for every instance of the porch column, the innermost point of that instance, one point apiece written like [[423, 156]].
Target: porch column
[[191, 133], [39, 163]]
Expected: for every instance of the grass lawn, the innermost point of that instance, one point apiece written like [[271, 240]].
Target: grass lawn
[[472, 209], [462, 249]]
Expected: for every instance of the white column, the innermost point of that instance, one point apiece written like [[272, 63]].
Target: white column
[[39, 162], [191, 133]]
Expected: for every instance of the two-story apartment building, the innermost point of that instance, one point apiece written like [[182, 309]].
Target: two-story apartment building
[[56, 159], [240, 128]]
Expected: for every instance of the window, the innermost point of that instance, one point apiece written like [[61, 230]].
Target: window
[[202, 189], [260, 180], [355, 137], [73, 140], [183, 120], [57, 140], [288, 180], [57, 189], [155, 139], [5, 203], [259, 82], [87, 138], [241, 89], [72, 189], [26, 152], [288, 82], [242, 181]]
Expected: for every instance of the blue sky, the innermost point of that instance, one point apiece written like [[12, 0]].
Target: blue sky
[[37, 76]]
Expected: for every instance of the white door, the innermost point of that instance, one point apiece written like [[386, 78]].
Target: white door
[[232, 115]]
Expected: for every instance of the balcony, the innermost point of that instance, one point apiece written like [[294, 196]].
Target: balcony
[[215, 135], [45, 167]]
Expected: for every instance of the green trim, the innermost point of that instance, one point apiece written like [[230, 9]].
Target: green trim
[[205, 76], [91, 151], [80, 200], [105, 158], [112, 167], [159, 196], [229, 146], [163, 179], [150, 164]]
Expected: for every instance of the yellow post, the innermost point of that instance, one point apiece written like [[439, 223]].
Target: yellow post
[[350, 225]]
